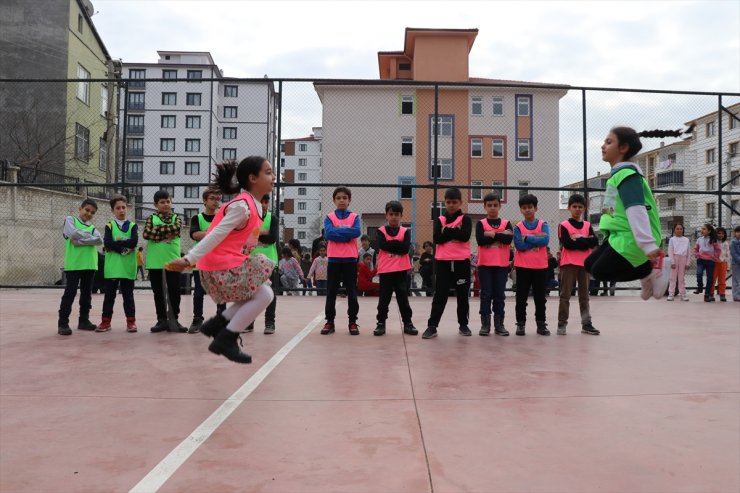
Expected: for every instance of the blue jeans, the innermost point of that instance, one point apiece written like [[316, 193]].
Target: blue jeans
[[703, 265], [492, 289], [321, 286]]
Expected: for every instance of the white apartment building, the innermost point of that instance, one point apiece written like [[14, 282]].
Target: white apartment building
[[176, 128], [300, 162]]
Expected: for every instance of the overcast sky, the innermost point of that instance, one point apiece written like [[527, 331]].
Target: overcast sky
[[674, 45]]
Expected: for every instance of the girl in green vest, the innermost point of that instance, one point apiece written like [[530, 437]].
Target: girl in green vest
[[629, 219]]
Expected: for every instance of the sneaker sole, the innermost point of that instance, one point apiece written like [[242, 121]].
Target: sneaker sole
[[432, 336]]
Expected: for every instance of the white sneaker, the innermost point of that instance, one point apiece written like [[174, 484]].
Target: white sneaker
[[670, 298], [685, 298], [647, 287], [661, 279]]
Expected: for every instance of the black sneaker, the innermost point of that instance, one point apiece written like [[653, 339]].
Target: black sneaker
[[589, 329], [520, 329], [698, 291], [195, 326], [706, 298], [225, 344], [354, 329], [410, 329], [379, 329], [429, 333], [63, 329], [214, 325], [485, 330], [328, 328], [86, 324], [500, 331], [464, 331], [269, 327], [160, 326], [177, 327]]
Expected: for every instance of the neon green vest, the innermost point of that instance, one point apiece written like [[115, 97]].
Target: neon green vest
[[160, 252], [80, 257], [269, 251], [615, 225], [203, 225], [119, 266]]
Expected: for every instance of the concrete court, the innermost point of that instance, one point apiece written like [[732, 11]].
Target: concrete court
[[651, 405]]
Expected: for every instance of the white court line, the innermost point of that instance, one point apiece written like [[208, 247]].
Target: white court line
[[167, 467]]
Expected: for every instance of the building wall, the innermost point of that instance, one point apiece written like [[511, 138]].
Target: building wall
[[292, 196]]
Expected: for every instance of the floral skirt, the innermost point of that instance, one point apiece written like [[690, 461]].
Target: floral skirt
[[239, 283]]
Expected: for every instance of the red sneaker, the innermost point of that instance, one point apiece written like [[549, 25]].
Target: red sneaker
[[131, 324], [104, 325], [328, 328], [354, 330]]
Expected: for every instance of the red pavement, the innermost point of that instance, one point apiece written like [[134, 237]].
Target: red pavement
[[651, 405]]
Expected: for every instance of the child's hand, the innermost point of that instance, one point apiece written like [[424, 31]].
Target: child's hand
[[507, 232], [489, 234], [178, 265]]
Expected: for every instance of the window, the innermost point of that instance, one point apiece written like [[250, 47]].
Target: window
[[104, 100], [190, 214], [476, 147], [169, 121], [407, 105], [192, 145], [301, 206], [302, 176], [136, 100], [135, 124], [170, 189], [169, 98], [670, 203], [301, 235], [301, 191], [82, 142], [476, 105], [667, 178], [710, 156], [229, 133], [476, 193], [192, 121], [169, 74], [302, 161], [523, 105], [522, 149], [83, 84], [710, 128], [301, 220], [443, 125], [407, 146], [497, 187], [523, 191], [498, 147], [407, 191], [229, 154], [102, 155], [80, 23], [734, 122], [443, 169], [711, 182], [167, 145], [136, 78], [302, 147], [710, 210], [230, 111], [735, 204], [166, 167], [231, 91], [192, 99], [135, 147], [734, 175], [135, 171], [498, 106], [195, 74], [192, 191], [732, 149], [192, 168], [404, 66]]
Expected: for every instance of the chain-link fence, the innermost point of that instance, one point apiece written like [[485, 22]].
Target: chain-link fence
[[61, 141]]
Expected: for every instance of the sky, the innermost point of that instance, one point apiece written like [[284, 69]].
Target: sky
[[667, 45]]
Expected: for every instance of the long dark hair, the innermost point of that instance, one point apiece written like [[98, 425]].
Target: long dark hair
[[712, 233], [223, 178], [629, 136]]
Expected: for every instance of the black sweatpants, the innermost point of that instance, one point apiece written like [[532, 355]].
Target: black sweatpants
[[83, 278], [451, 274], [173, 292], [605, 264], [397, 282], [536, 279], [345, 273], [127, 292]]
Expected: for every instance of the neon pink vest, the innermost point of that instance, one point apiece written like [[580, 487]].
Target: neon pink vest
[[452, 250], [574, 257], [338, 249], [228, 254], [392, 262], [534, 258], [494, 255]]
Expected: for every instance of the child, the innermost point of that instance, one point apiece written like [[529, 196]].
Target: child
[[494, 236], [531, 237], [577, 239], [720, 266], [290, 271], [629, 219], [426, 267], [706, 251], [365, 274], [393, 242], [121, 237], [267, 245], [80, 264], [140, 263], [735, 255], [228, 272], [199, 225], [366, 248], [678, 251], [451, 234], [341, 229], [317, 272], [162, 232]]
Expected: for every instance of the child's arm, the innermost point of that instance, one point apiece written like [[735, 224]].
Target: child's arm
[[131, 242], [670, 248], [437, 234], [150, 233], [696, 249], [195, 232], [463, 232], [108, 243], [505, 237], [480, 235], [312, 270], [270, 237], [539, 241], [519, 242], [735, 251], [78, 237]]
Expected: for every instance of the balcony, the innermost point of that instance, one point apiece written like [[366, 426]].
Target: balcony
[[136, 84], [135, 129], [134, 152], [134, 176], [135, 105]]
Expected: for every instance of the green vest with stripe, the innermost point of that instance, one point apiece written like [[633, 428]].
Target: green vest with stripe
[[269, 251], [119, 266], [615, 225], [160, 252], [203, 225], [80, 257]]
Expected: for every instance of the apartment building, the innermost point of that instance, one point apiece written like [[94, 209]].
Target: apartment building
[[489, 133], [186, 118], [300, 163]]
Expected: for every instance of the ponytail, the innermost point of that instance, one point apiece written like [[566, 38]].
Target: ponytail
[[627, 135], [223, 178]]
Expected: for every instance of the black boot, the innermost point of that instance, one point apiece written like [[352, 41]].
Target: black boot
[[84, 323], [379, 329], [63, 327], [225, 344], [160, 326], [485, 325], [498, 326], [213, 325], [520, 329], [542, 328]]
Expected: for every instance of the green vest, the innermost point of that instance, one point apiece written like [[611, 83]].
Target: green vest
[[203, 225], [80, 257], [160, 252], [119, 266], [269, 251], [615, 225]]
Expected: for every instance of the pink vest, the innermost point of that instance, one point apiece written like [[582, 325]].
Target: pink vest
[[574, 257], [392, 262], [338, 249], [534, 258], [494, 255], [452, 250], [228, 254]]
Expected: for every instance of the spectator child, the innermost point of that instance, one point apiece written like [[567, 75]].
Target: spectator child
[[290, 271], [140, 263], [679, 249], [707, 252], [317, 272], [426, 267], [735, 256], [365, 274], [720, 266], [366, 248]]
